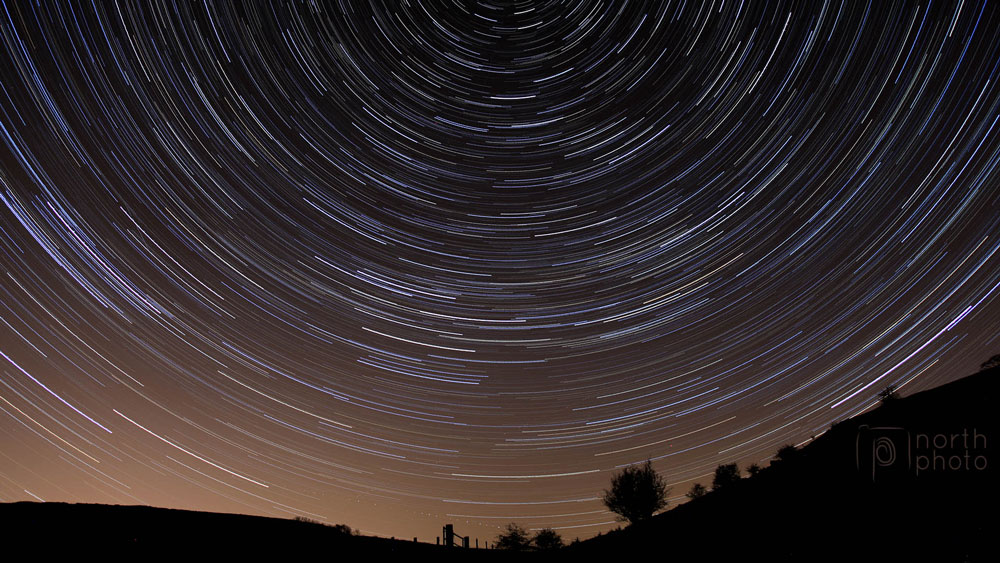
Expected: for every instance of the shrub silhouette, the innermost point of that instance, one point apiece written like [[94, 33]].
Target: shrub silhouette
[[697, 491], [305, 520], [725, 475], [990, 363], [888, 395], [786, 453], [547, 539], [753, 469], [344, 529], [636, 493], [514, 538]]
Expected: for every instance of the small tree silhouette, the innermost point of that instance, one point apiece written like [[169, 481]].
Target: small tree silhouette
[[888, 395], [547, 539], [697, 491], [753, 469], [990, 363], [514, 538], [725, 474], [636, 493]]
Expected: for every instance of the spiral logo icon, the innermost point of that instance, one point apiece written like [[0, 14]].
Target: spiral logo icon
[[883, 451]]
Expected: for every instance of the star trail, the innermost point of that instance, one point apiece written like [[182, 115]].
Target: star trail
[[399, 264]]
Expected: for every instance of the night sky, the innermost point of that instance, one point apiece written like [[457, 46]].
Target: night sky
[[410, 263]]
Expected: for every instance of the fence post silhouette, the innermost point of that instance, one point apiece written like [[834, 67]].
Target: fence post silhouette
[[448, 532]]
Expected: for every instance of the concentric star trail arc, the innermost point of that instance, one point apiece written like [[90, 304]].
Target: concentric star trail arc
[[399, 264]]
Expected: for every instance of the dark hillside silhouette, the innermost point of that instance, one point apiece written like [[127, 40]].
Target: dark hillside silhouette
[[145, 533], [897, 483]]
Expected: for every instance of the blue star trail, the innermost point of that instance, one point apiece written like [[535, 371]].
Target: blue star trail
[[397, 264]]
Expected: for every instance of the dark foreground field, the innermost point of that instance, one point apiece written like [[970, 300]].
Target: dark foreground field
[[143, 531], [909, 481]]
